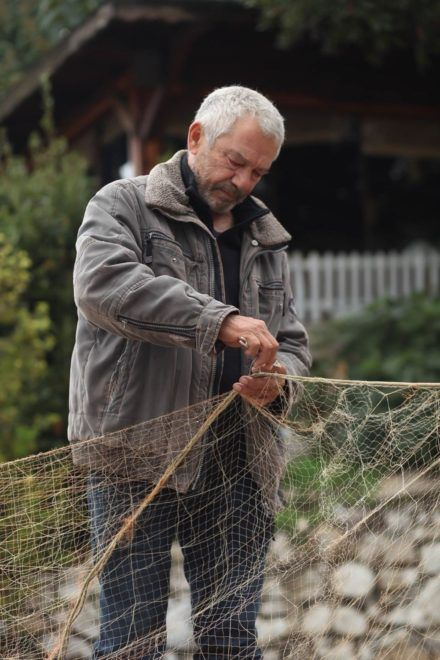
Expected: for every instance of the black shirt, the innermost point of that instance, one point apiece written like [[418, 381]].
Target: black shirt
[[229, 244]]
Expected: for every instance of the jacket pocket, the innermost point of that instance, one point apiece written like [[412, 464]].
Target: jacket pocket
[[119, 377], [271, 303], [165, 256]]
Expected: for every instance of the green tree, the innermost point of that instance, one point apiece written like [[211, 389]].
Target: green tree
[[42, 200], [29, 28], [25, 340], [374, 26]]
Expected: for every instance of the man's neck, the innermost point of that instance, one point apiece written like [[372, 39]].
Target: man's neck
[[222, 221]]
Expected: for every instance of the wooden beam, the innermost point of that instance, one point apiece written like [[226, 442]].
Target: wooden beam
[[84, 120], [94, 108], [150, 112], [135, 153], [362, 108]]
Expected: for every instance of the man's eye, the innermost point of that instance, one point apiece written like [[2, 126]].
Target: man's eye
[[234, 163]]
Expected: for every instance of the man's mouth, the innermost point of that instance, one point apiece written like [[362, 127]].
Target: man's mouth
[[231, 194]]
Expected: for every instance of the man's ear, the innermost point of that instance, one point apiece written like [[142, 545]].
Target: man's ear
[[195, 137]]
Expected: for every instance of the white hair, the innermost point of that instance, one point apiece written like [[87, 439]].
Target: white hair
[[221, 108]]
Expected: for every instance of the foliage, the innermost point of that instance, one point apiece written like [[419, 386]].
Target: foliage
[[374, 26], [315, 487], [392, 340], [40, 210], [29, 28], [25, 339]]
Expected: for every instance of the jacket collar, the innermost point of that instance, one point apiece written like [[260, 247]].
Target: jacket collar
[[165, 192]]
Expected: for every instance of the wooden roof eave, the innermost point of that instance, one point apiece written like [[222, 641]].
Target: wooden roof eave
[[49, 64]]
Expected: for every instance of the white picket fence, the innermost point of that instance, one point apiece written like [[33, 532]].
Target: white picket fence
[[333, 285]]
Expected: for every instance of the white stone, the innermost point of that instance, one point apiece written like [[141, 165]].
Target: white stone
[[399, 551], [281, 550], [387, 640], [371, 547], [86, 623], [353, 580], [179, 623], [348, 516], [349, 622], [76, 648], [430, 558], [373, 611], [176, 553], [322, 646], [422, 533], [316, 620], [273, 608], [272, 629], [345, 650], [271, 655], [94, 588], [398, 520], [395, 579], [302, 525], [306, 586], [327, 538], [272, 589], [70, 591], [425, 609], [274, 602], [365, 652], [398, 616]]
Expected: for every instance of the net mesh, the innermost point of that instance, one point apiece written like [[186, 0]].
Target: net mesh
[[160, 540]]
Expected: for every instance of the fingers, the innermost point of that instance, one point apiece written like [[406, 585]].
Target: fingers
[[253, 335], [262, 390], [262, 347]]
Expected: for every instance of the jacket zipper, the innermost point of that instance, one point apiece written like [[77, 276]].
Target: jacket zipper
[[211, 266], [212, 285], [181, 330]]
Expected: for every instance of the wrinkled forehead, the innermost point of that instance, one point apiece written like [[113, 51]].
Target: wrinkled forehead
[[247, 142]]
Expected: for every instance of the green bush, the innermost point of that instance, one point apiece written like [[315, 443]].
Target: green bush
[[25, 341], [391, 340], [42, 200]]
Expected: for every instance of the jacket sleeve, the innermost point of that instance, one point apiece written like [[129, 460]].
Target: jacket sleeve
[[117, 292], [294, 350]]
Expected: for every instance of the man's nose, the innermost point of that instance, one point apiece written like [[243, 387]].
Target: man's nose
[[244, 181]]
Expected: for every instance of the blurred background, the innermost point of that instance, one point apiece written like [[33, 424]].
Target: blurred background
[[91, 91]]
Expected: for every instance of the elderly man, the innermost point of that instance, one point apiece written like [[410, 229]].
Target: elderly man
[[183, 292]]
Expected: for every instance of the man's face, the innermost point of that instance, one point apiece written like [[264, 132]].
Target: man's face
[[227, 172]]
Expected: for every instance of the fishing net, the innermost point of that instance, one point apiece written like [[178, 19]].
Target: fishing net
[[163, 535]]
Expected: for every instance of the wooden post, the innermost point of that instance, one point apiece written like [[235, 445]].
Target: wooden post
[[137, 118]]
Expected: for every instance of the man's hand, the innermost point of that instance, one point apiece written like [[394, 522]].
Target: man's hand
[[244, 331], [261, 389]]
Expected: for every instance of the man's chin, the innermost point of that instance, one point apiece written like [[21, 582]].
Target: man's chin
[[220, 206]]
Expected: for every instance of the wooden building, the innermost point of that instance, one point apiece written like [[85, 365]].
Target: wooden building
[[362, 157]]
